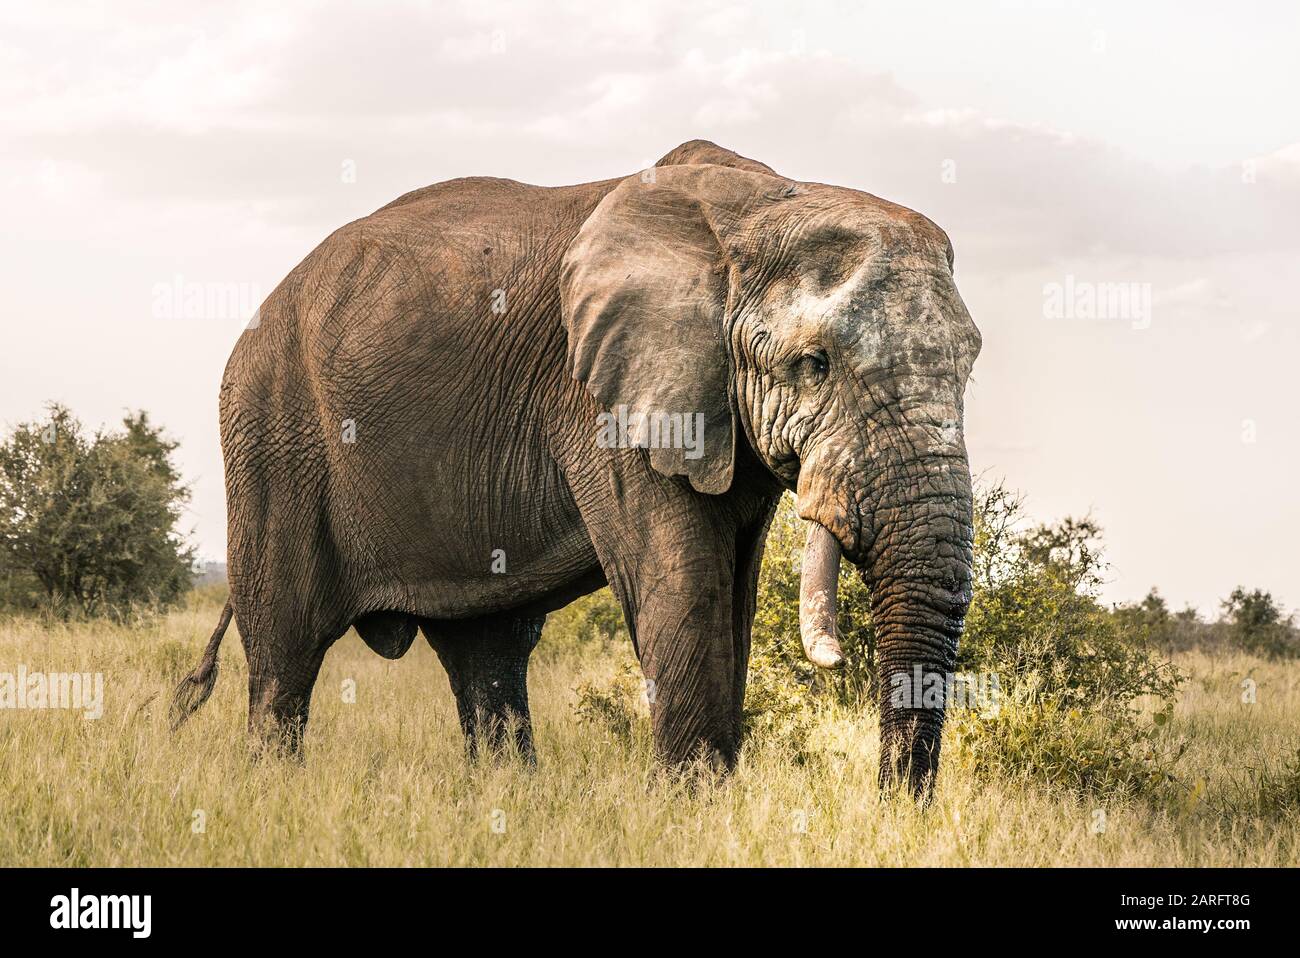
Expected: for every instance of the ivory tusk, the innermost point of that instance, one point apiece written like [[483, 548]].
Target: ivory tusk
[[818, 588]]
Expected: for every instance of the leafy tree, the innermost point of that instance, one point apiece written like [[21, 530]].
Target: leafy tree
[[1071, 549], [1150, 618], [1035, 619], [1256, 623], [1156, 610], [88, 523]]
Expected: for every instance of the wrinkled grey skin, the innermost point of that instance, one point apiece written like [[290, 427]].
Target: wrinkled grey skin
[[817, 330]]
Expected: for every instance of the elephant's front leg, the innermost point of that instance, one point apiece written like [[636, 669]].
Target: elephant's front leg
[[680, 601], [688, 657], [487, 663], [683, 567]]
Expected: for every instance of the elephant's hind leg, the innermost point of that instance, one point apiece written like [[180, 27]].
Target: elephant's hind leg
[[284, 659], [279, 699], [487, 663]]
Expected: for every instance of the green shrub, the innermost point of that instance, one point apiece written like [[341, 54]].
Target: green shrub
[[1168, 631], [1072, 679], [1035, 620], [780, 711], [591, 623], [88, 524], [1096, 751], [1252, 622], [1073, 676], [616, 707]]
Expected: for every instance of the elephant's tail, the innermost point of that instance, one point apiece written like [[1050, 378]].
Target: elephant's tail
[[197, 686]]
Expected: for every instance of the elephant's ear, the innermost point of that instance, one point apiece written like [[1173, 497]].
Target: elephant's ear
[[644, 288]]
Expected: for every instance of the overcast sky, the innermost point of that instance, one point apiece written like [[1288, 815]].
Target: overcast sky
[[144, 147]]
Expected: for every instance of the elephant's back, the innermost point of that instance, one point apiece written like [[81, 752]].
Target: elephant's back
[[486, 198], [438, 267], [408, 374], [437, 285]]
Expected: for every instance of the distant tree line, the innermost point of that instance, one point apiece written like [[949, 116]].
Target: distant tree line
[[1250, 621]]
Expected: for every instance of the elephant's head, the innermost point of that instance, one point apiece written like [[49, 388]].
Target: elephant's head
[[822, 326]]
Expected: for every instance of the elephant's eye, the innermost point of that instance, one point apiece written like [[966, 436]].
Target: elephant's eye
[[814, 366]]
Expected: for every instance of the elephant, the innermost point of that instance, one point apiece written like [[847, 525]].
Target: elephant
[[487, 398]]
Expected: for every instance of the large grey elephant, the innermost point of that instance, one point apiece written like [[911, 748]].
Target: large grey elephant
[[487, 399]]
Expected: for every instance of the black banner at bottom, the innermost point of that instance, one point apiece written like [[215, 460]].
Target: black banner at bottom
[[299, 907]]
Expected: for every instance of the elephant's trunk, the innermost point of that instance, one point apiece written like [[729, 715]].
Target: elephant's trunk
[[918, 566], [917, 561], [818, 587]]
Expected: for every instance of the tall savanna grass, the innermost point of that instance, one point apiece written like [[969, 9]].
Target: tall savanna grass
[[385, 781]]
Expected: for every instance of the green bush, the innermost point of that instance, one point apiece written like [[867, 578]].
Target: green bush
[[1252, 622], [88, 524], [590, 624], [1167, 631], [1035, 620], [779, 711], [616, 707], [1072, 678], [1096, 751]]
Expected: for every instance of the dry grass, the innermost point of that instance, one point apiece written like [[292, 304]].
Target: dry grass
[[385, 782]]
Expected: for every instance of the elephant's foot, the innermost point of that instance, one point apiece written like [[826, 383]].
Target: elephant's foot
[[487, 663]]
